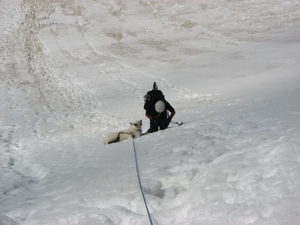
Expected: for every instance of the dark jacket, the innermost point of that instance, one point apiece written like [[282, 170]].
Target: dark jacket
[[163, 115]]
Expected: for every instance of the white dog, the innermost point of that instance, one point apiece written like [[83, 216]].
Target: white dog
[[135, 130]]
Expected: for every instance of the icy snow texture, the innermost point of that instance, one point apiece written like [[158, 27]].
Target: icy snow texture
[[72, 71]]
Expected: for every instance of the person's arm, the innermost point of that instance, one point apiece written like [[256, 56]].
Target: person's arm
[[171, 110], [148, 116], [172, 115]]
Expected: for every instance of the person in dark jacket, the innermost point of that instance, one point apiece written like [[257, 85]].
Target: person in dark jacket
[[160, 116]]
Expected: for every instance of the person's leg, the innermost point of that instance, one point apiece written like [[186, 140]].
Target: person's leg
[[153, 126], [164, 124]]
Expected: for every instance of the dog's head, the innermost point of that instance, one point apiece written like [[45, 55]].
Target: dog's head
[[137, 125]]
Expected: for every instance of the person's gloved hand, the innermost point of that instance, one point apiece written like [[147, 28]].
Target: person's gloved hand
[[169, 120]]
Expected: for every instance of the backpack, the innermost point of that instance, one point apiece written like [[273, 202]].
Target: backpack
[[152, 97]]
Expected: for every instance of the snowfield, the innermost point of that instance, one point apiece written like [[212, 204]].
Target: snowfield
[[72, 71]]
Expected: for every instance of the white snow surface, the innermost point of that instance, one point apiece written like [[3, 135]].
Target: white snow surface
[[72, 71]]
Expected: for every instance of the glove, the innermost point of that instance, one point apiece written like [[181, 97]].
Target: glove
[[169, 120]]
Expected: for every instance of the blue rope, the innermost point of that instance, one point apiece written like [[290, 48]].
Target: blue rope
[[139, 179]]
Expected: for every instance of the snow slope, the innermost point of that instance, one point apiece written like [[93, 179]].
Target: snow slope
[[72, 71]]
